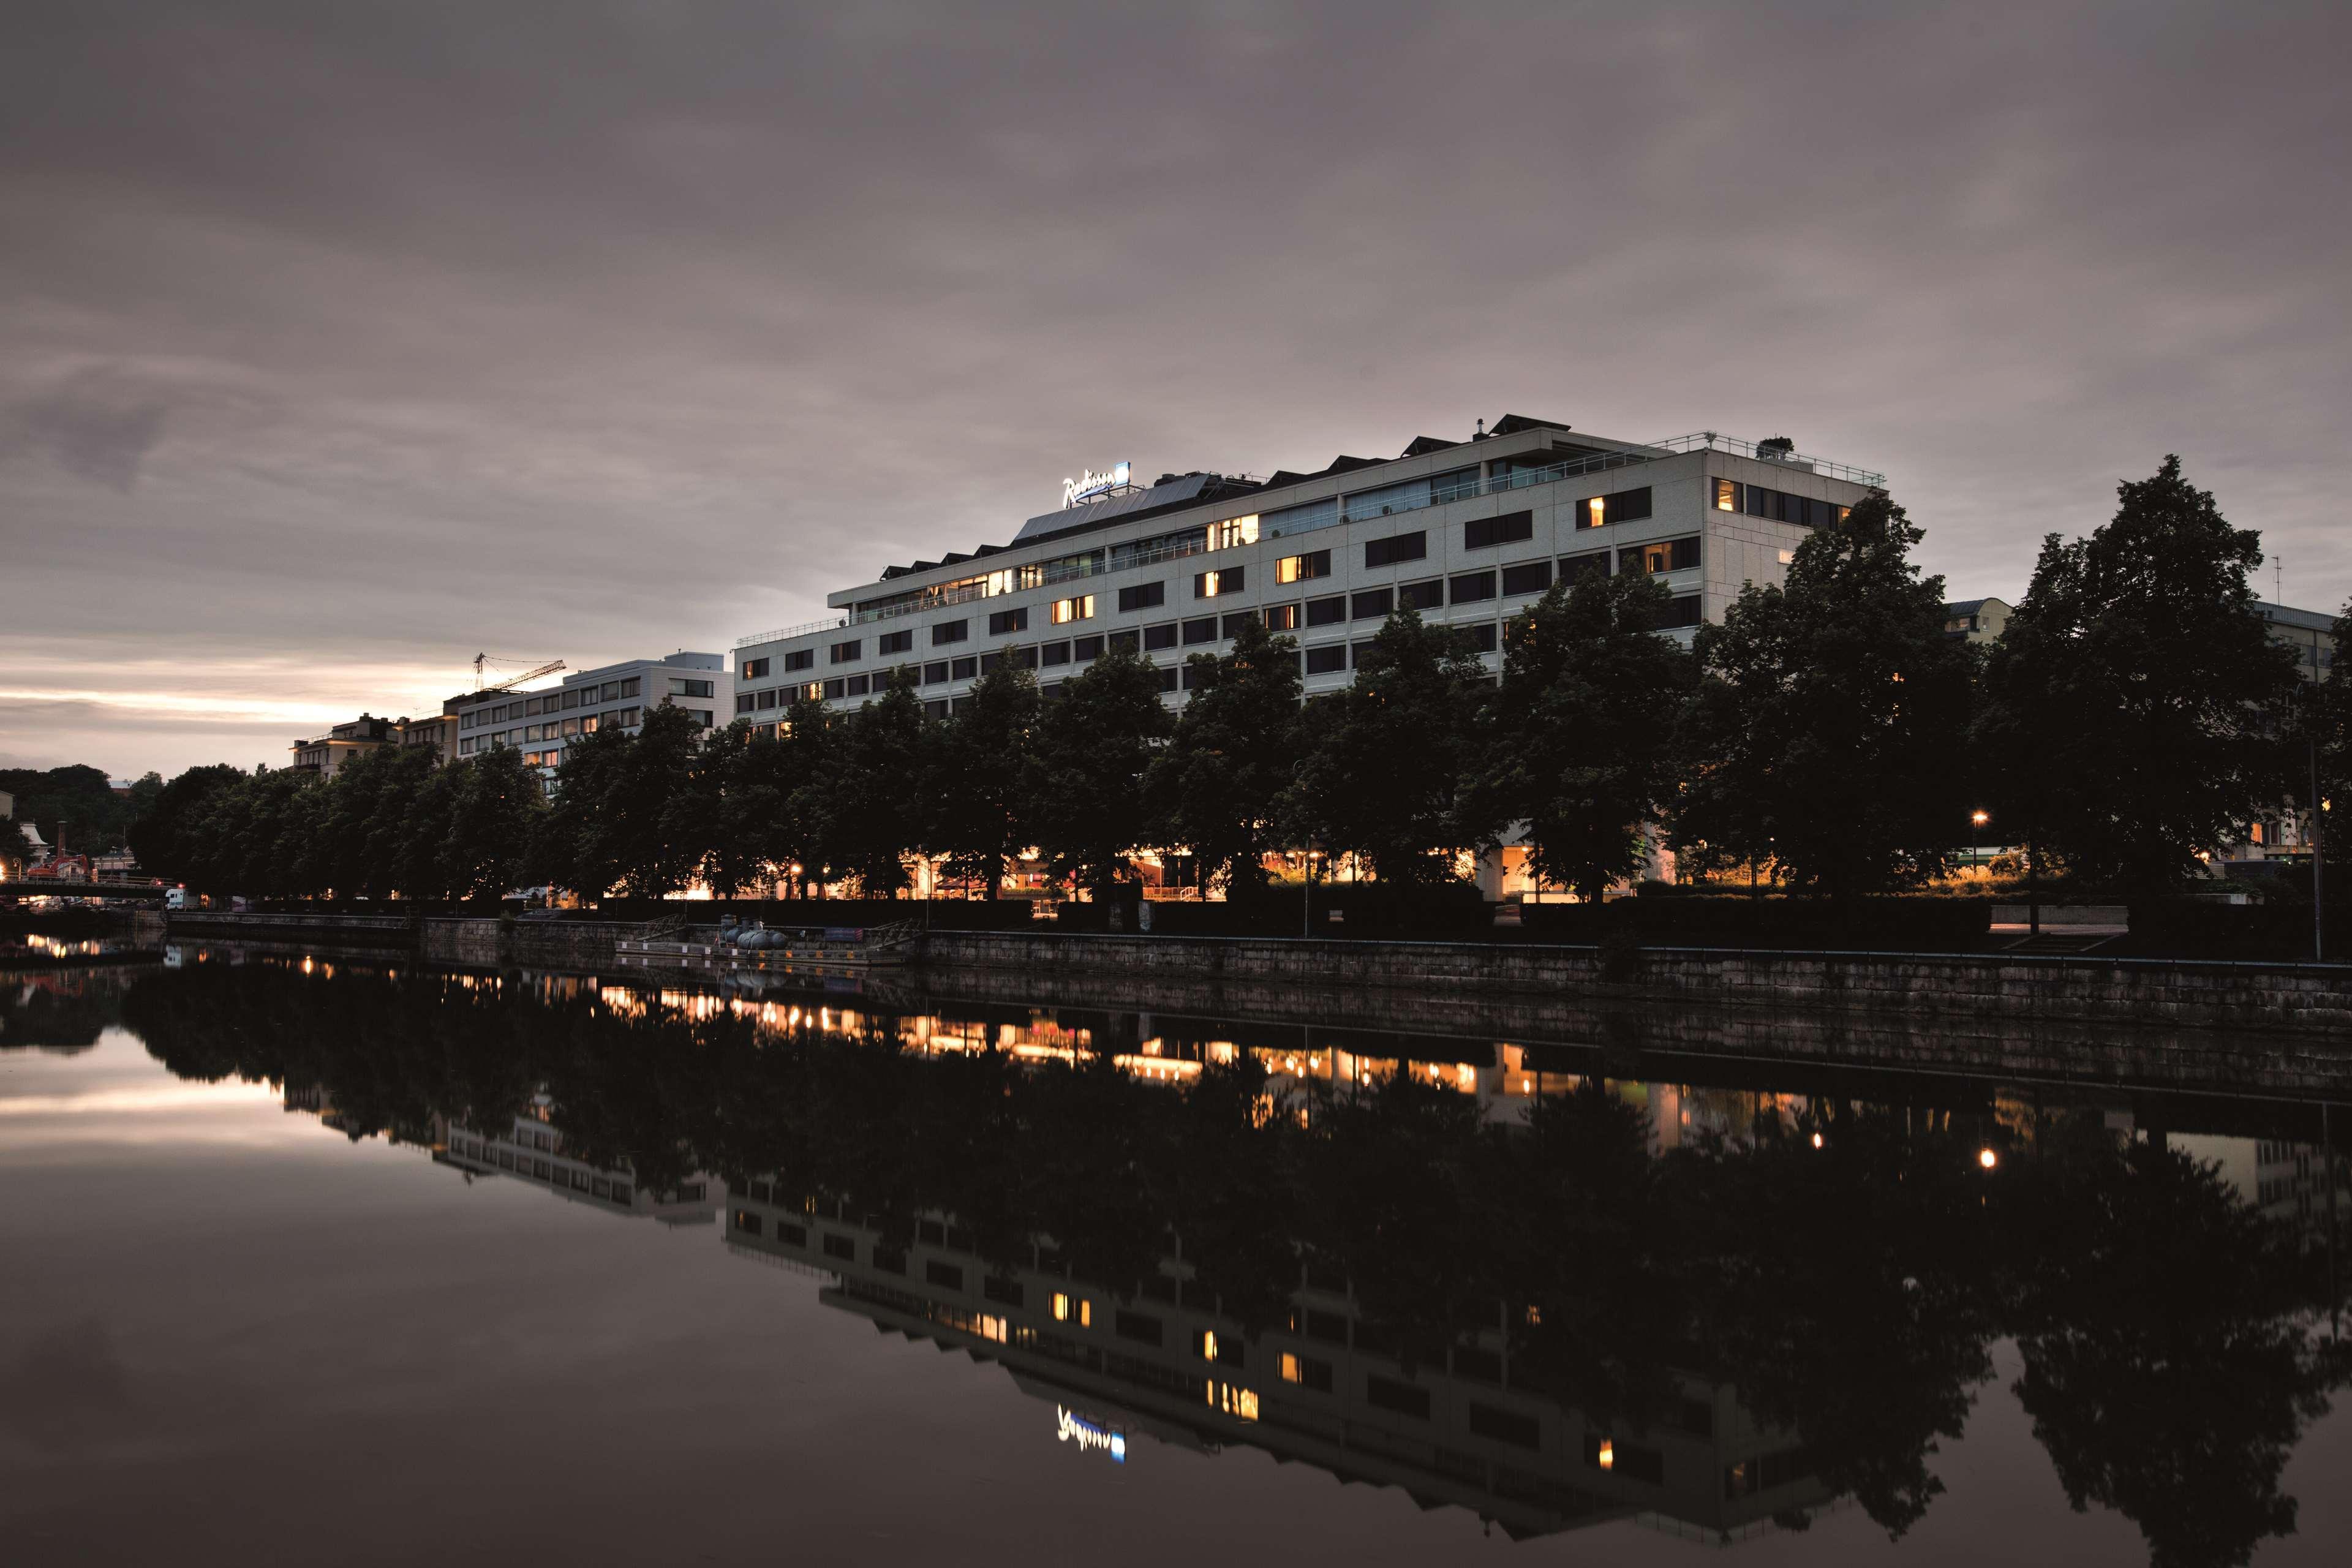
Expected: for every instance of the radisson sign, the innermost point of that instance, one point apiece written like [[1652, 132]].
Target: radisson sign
[[1069, 1426], [1091, 486]]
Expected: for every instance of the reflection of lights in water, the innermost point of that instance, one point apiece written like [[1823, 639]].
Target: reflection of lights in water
[[1817, 1140]]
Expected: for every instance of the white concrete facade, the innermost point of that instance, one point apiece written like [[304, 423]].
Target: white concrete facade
[[541, 723], [1497, 519]]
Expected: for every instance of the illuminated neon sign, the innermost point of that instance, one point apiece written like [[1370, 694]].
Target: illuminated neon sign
[[1069, 1426], [1091, 486]]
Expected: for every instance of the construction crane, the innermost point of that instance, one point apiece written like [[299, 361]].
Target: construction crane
[[550, 668]]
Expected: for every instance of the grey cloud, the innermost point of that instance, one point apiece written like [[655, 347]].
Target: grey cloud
[[94, 425]]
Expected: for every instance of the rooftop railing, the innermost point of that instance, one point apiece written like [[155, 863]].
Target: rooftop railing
[[831, 624]]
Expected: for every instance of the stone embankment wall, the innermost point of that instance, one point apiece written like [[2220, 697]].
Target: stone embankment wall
[[2299, 998], [536, 944], [234, 925]]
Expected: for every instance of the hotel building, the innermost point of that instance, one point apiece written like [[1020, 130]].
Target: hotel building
[[1468, 533]]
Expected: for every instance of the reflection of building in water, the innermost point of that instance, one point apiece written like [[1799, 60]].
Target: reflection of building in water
[[1330, 1389], [532, 1151]]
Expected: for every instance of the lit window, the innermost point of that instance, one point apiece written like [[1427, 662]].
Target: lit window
[[1606, 1457], [1208, 1344], [1081, 608], [1061, 1307], [1596, 511], [1290, 1367], [1727, 495], [1233, 532], [1300, 568]]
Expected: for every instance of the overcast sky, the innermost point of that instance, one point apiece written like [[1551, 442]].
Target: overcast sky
[[338, 344]]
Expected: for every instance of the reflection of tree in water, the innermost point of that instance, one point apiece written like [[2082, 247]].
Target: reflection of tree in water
[[2171, 1360], [1847, 1289], [64, 1010]]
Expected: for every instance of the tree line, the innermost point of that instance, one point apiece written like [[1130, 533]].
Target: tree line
[[1828, 735]]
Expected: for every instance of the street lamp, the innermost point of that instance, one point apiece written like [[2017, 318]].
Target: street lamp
[[1977, 819]]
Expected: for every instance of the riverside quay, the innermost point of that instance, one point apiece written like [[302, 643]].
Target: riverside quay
[[1465, 531]]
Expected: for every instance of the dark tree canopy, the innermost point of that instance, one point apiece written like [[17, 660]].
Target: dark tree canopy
[[1580, 744], [1221, 784], [2131, 704], [1827, 737], [1387, 764], [1095, 740]]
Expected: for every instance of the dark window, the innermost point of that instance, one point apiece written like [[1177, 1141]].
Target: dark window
[[989, 661], [1328, 1327], [1482, 636], [935, 672], [1313, 1374], [1142, 595], [1375, 603], [1404, 1398], [949, 631], [800, 659], [840, 1247], [842, 652], [796, 1234], [1168, 680], [1481, 533], [1005, 623], [1127, 640], [768, 698], [1682, 612], [1007, 1291], [747, 1221], [1325, 660], [964, 668], [1356, 652], [1282, 617], [629, 687], [859, 685], [1140, 1327], [835, 687], [889, 643], [1234, 624], [1086, 650], [1661, 556], [1160, 635], [1054, 652], [1429, 595], [1529, 577], [936, 708], [943, 1274], [1504, 1425], [1471, 586], [1200, 631], [1327, 612], [743, 700], [889, 1260], [1593, 563], [1026, 658], [1414, 546], [754, 669], [1478, 1365], [1192, 675]]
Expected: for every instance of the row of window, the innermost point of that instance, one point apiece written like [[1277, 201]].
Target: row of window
[[1755, 501], [563, 701], [626, 717]]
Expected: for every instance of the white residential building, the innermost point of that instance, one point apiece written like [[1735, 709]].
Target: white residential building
[[541, 723]]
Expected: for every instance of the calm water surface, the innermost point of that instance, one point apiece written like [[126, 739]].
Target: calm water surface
[[332, 1260]]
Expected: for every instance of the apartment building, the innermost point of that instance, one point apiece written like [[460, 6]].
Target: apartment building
[[1465, 531], [329, 754], [541, 723]]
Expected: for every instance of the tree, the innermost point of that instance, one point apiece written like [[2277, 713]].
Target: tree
[[2330, 718], [1580, 741], [1219, 784], [876, 789], [1826, 732], [1094, 744], [163, 837], [81, 796], [733, 796], [614, 823], [987, 763], [2131, 703], [500, 804], [1390, 763], [808, 754]]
